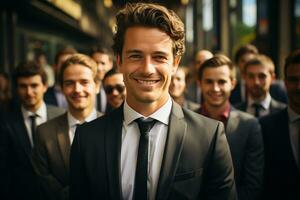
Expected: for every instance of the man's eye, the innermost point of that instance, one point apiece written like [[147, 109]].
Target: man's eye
[[135, 56], [160, 58]]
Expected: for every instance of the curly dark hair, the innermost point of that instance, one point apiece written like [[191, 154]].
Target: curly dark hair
[[149, 15]]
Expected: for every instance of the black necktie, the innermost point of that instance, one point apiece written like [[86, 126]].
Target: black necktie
[[33, 126], [257, 108], [141, 173]]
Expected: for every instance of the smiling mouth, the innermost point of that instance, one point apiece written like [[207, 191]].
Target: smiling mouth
[[147, 82]]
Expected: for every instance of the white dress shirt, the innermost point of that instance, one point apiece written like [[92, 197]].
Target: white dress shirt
[[156, 146], [41, 117], [265, 106], [73, 122], [294, 127]]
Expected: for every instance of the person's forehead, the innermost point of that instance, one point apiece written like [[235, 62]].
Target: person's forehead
[[115, 78], [30, 79], [257, 68]]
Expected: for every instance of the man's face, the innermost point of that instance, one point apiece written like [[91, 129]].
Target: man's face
[[243, 59], [79, 88], [147, 64], [258, 80], [115, 90], [216, 86], [104, 64], [31, 91], [292, 84], [177, 85]]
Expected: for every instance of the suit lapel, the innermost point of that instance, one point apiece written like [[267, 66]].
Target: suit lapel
[[232, 122], [21, 132], [113, 135], [173, 148], [63, 139]]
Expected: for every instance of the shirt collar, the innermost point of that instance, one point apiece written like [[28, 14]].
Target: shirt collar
[[264, 103], [41, 111], [162, 114], [72, 121], [222, 117], [293, 116]]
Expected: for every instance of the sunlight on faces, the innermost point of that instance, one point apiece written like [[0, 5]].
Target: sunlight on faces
[[258, 80], [79, 87], [147, 65], [115, 98], [178, 84], [216, 85], [31, 91], [292, 84]]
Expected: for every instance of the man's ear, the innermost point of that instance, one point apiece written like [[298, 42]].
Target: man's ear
[[273, 76], [176, 64], [119, 62], [233, 83]]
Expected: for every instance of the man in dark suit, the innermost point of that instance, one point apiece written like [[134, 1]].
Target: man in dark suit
[[281, 134], [54, 95], [54, 138], [238, 94], [216, 79], [150, 148], [104, 59], [19, 131], [259, 74]]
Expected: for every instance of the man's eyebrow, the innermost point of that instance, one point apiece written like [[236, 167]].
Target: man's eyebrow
[[133, 51]]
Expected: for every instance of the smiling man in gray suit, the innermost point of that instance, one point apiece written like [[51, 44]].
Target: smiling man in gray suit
[[217, 79], [54, 138], [150, 148]]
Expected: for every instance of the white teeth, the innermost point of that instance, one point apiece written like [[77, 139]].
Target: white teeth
[[146, 82]]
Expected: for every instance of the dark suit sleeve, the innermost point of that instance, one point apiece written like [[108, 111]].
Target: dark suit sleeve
[[250, 185], [78, 179], [219, 178], [50, 187], [4, 162]]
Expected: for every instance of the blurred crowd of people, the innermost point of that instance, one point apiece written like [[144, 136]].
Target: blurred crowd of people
[[42, 106]]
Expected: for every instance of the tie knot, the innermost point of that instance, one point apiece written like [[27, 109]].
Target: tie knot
[[33, 116], [145, 125]]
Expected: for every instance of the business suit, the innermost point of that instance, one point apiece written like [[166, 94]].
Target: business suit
[[21, 179], [282, 175], [275, 106], [51, 157], [246, 145], [277, 91], [195, 163]]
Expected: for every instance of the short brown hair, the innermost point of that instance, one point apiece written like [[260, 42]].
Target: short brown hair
[[28, 69], [64, 51], [149, 15], [217, 61], [292, 59], [80, 59], [260, 59], [248, 48]]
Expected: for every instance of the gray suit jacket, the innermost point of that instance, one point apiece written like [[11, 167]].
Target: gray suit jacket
[[51, 158], [196, 163], [246, 145]]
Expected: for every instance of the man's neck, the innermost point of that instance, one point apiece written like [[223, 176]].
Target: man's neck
[[215, 111], [259, 99], [179, 100], [147, 108], [33, 108], [80, 115]]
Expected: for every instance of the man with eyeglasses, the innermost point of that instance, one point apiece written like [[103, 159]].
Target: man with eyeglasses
[[281, 133], [114, 88]]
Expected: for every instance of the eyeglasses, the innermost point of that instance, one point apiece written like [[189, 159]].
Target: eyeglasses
[[110, 88]]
